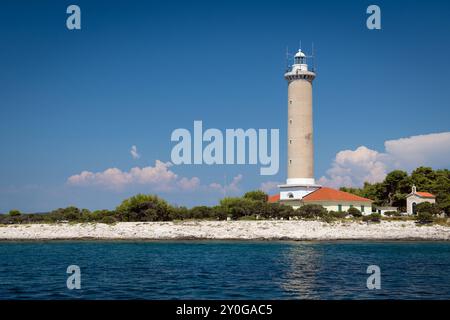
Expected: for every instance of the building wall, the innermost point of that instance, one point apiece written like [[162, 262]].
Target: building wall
[[382, 211], [334, 206], [295, 192], [416, 199]]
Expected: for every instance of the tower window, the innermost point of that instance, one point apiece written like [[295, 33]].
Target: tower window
[[290, 161], [290, 101], [290, 141], [290, 121], [290, 195]]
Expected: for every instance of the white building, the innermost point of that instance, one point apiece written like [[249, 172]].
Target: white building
[[416, 197], [330, 199]]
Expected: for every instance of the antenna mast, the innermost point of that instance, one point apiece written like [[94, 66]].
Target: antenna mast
[[287, 58]]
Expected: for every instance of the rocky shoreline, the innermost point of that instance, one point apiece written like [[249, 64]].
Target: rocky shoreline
[[228, 230]]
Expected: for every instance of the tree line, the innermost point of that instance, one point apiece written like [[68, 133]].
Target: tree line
[[253, 205]]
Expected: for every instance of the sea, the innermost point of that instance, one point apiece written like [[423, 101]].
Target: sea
[[119, 270]]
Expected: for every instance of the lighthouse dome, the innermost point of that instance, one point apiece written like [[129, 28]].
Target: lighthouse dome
[[300, 60], [299, 54]]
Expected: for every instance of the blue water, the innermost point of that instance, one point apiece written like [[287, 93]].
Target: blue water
[[224, 270]]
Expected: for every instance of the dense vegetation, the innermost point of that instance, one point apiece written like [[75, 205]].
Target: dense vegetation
[[397, 185], [253, 205]]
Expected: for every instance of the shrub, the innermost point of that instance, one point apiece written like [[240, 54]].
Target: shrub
[[338, 214], [98, 215], [354, 212], [374, 217], [108, 219], [424, 217], [392, 214], [310, 211], [201, 212], [252, 217], [62, 214], [14, 213], [219, 213], [178, 213]]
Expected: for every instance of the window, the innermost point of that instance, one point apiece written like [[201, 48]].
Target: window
[[290, 101], [290, 161], [351, 206], [339, 207], [290, 121], [290, 141], [362, 208], [290, 195]]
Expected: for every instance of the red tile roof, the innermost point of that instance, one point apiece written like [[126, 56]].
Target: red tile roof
[[328, 194], [325, 194], [425, 195], [274, 198]]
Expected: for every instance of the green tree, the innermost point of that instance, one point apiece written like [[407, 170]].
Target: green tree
[[201, 212], [14, 213], [179, 213], [219, 213], [237, 207], [256, 195], [395, 186], [373, 217], [144, 208]]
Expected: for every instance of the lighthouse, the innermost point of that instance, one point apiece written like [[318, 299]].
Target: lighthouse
[[300, 148], [300, 188]]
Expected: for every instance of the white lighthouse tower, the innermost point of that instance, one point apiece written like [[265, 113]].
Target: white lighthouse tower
[[300, 167]]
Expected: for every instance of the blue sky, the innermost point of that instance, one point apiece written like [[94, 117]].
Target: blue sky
[[74, 101]]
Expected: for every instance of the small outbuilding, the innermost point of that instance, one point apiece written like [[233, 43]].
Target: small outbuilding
[[383, 210], [416, 197]]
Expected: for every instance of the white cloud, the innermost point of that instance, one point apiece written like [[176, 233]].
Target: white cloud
[[354, 167], [232, 187], [189, 184], [159, 177], [269, 186], [424, 150], [134, 152]]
